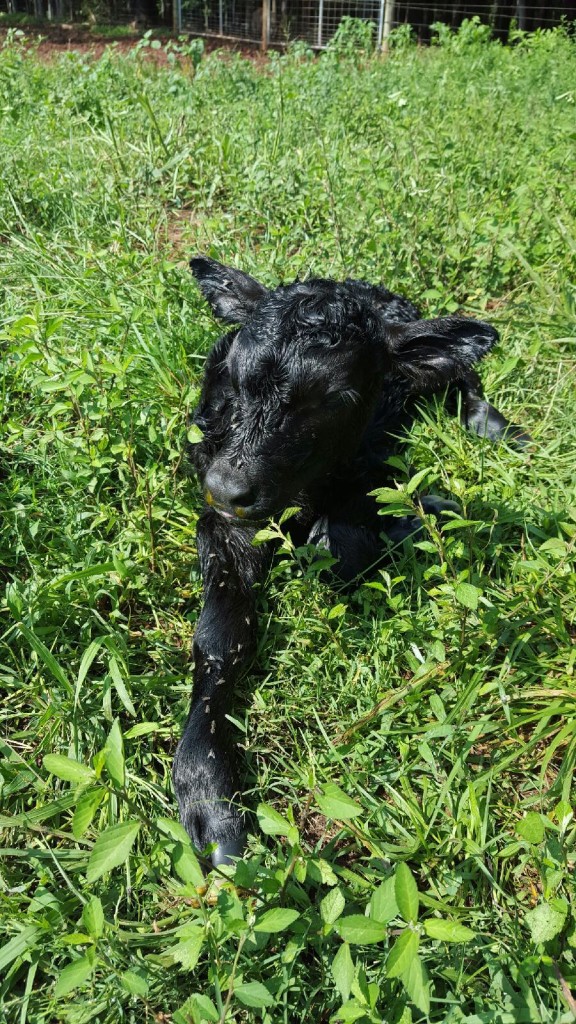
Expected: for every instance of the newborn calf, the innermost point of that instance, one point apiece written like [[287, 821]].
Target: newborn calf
[[301, 405]]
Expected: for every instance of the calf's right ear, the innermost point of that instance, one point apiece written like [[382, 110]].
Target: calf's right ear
[[232, 294], [436, 352]]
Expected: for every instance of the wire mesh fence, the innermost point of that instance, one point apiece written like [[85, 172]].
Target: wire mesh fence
[[421, 14], [277, 22], [273, 22]]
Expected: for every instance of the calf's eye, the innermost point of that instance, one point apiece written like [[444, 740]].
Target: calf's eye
[[322, 339]]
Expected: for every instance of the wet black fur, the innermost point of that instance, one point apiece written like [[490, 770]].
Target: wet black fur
[[301, 406]]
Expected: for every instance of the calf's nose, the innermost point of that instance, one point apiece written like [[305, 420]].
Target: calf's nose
[[228, 487]]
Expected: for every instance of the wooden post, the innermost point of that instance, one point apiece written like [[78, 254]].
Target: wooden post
[[177, 16], [388, 23], [265, 25], [381, 23]]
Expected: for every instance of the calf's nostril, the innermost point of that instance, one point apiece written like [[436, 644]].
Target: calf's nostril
[[242, 498], [224, 486]]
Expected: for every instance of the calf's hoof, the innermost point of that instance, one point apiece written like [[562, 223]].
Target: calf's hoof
[[410, 527], [205, 792], [229, 851], [218, 822], [486, 421], [434, 505], [518, 437]]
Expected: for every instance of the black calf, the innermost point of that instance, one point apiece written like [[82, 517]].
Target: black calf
[[301, 406]]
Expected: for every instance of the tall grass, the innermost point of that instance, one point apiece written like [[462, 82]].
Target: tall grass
[[413, 741]]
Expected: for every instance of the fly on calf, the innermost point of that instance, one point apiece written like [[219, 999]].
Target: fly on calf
[[302, 405]]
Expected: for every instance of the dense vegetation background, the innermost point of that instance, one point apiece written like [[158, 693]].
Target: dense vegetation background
[[414, 740]]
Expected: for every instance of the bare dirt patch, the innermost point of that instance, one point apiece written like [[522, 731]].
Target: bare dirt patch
[[52, 40]]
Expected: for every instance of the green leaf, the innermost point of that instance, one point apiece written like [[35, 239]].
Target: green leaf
[[531, 828], [360, 930], [557, 548], [187, 953], [135, 983], [67, 768], [19, 944], [197, 1008], [276, 920], [85, 664], [253, 993], [120, 686], [142, 729], [418, 478], [111, 849], [343, 971], [563, 813], [447, 931], [383, 905], [335, 803], [272, 823], [467, 595], [115, 755], [406, 892], [39, 814], [194, 434], [321, 871], [417, 985], [93, 917], [337, 611], [288, 513], [544, 922], [402, 953], [171, 827], [47, 658], [76, 939], [73, 976], [389, 496], [349, 1012], [264, 535], [88, 804], [186, 863], [332, 906]]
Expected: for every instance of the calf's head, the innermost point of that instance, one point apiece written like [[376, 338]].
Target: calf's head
[[302, 375]]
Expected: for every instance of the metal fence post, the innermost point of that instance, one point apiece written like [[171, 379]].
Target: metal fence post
[[221, 17], [320, 22], [177, 16]]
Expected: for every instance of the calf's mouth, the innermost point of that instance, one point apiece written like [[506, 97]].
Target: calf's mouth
[[237, 514]]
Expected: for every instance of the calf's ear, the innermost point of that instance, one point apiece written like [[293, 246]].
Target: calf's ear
[[437, 351], [232, 294]]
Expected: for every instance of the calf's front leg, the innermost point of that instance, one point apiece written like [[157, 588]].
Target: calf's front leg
[[204, 771]]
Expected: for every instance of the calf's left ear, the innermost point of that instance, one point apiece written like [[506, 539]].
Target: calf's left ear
[[232, 294], [437, 351]]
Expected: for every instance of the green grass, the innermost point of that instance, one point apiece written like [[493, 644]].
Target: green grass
[[421, 729]]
